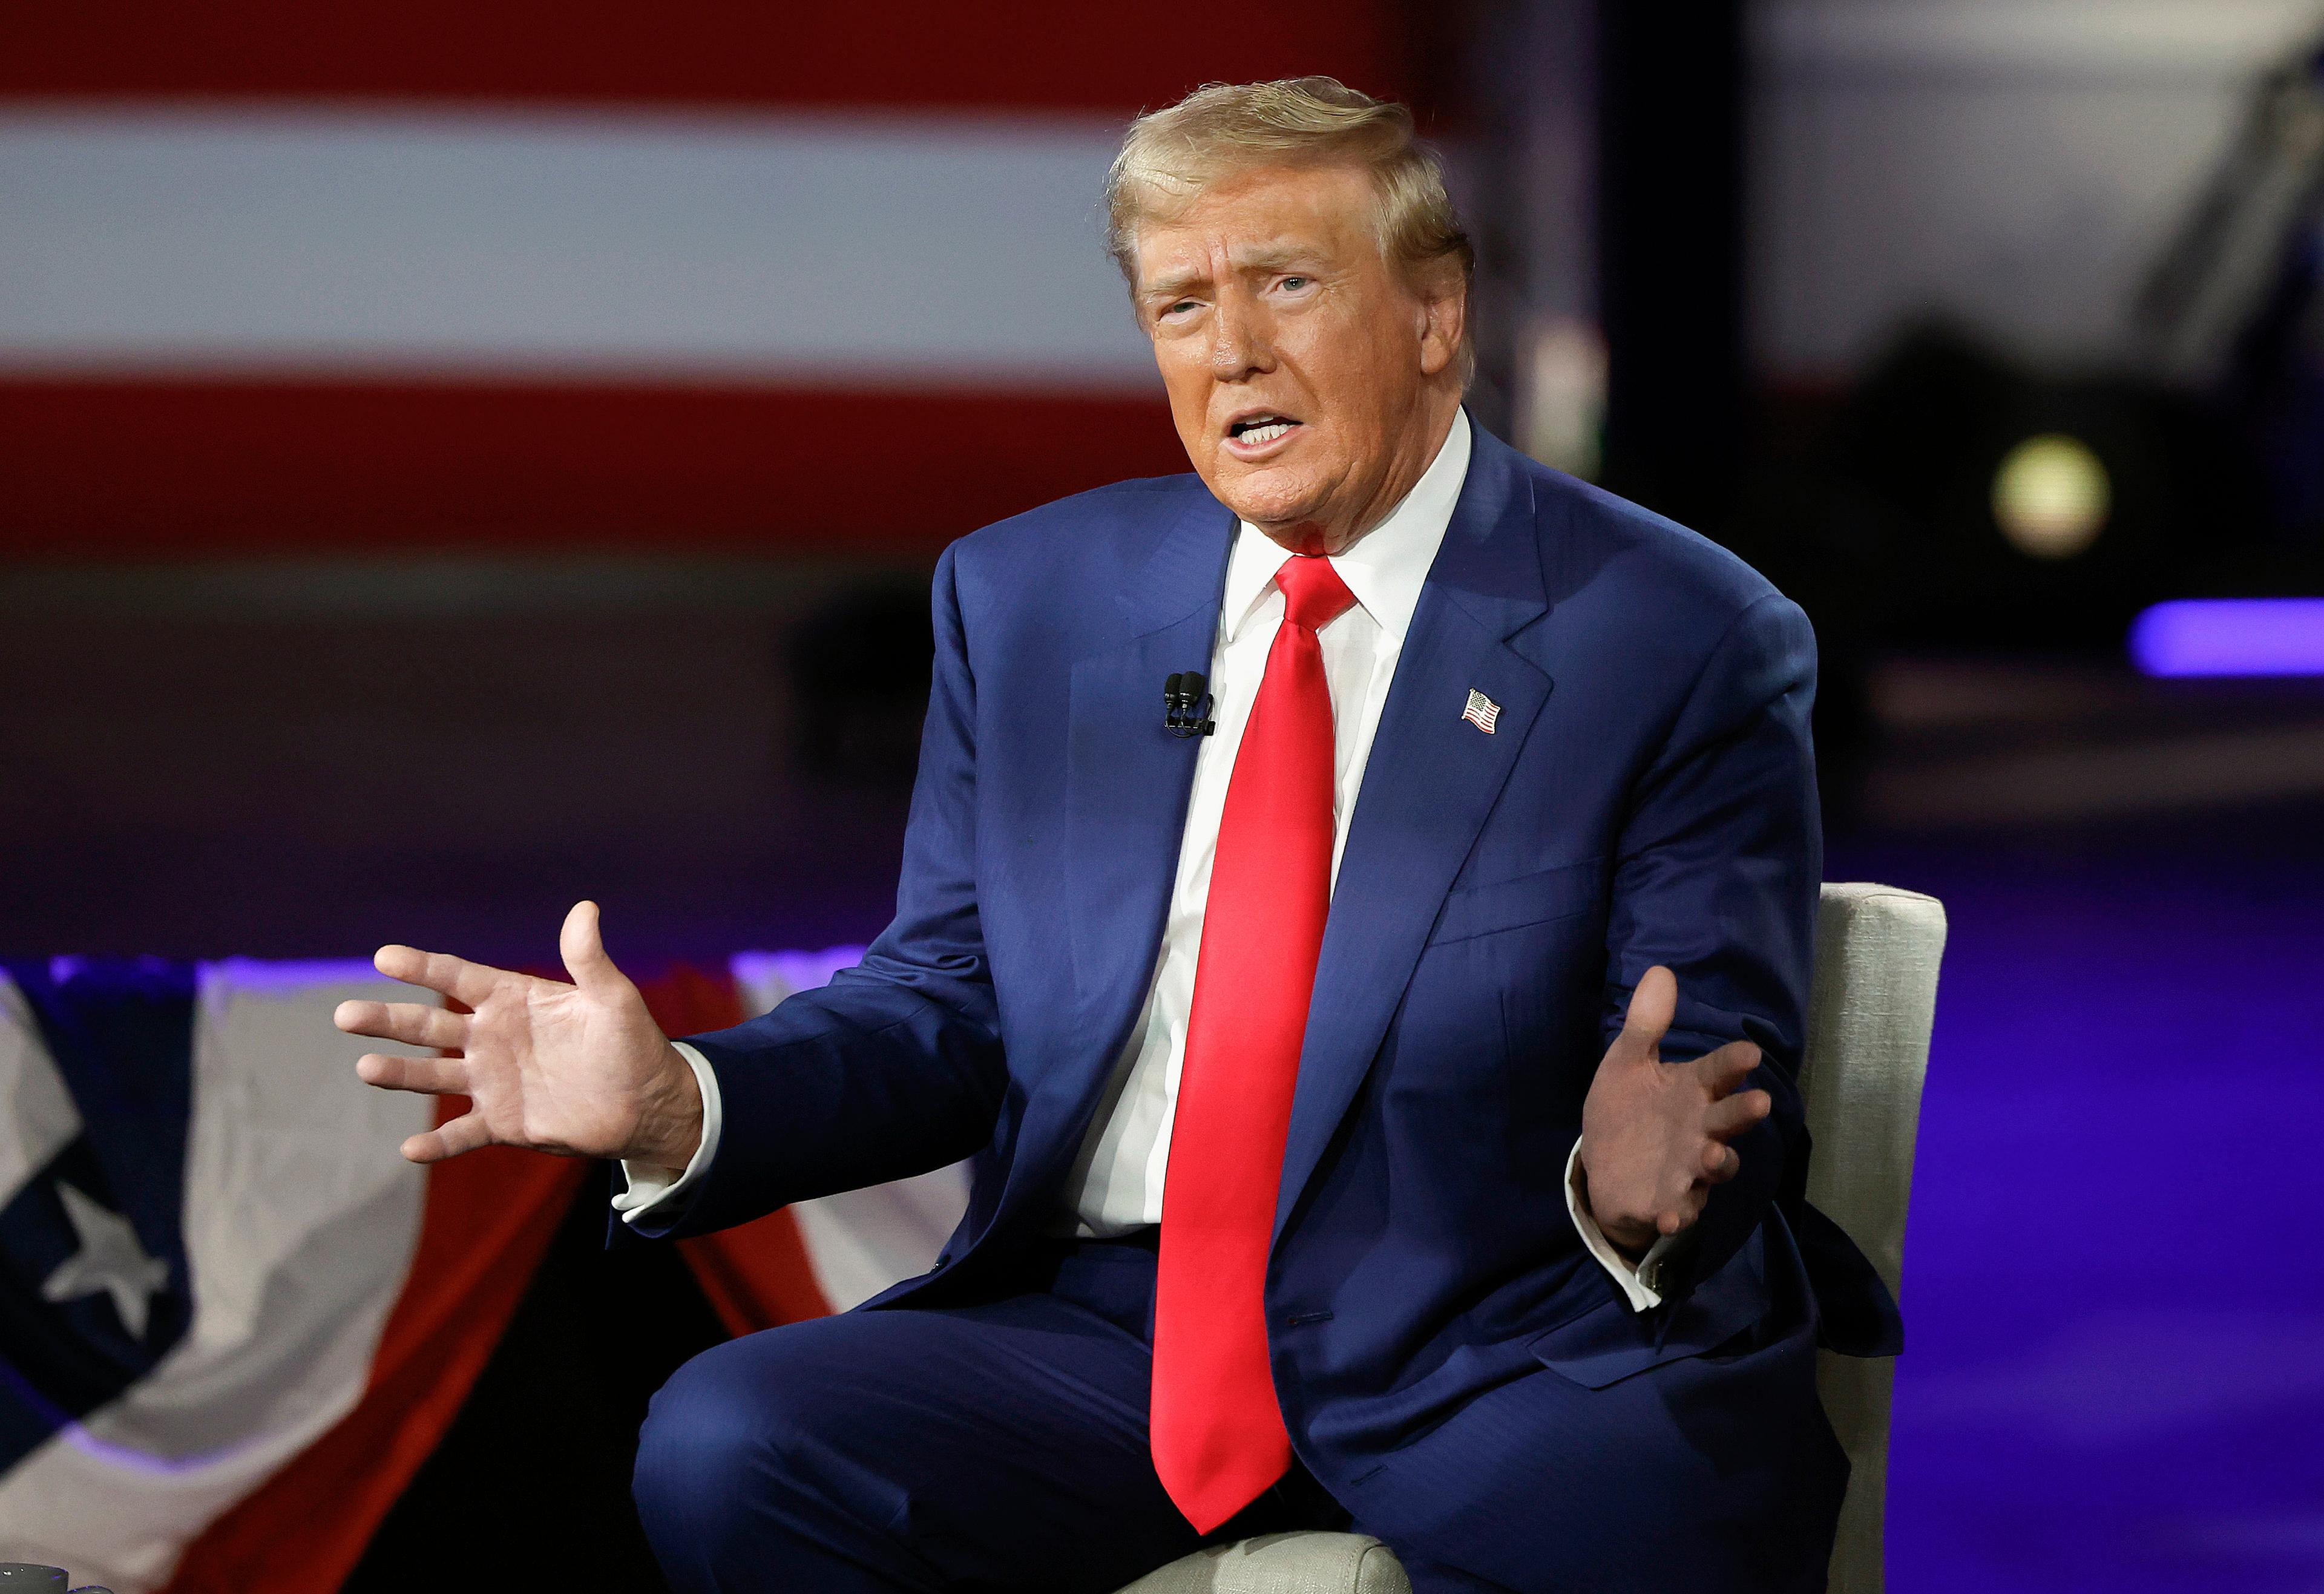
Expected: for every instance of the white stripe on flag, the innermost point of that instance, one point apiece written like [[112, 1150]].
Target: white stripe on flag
[[299, 1223], [863, 1240], [42, 1117], [654, 246]]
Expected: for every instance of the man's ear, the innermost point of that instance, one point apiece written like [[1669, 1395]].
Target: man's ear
[[1443, 323]]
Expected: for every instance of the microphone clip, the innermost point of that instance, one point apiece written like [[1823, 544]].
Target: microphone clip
[[1185, 707]]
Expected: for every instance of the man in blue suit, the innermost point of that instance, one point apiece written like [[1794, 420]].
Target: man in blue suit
[[1380, 1076]]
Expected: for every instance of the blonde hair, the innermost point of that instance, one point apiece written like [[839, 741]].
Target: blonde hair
[[1169, 156]]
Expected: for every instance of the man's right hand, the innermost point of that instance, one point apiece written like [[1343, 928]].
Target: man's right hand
[[580, 1070]]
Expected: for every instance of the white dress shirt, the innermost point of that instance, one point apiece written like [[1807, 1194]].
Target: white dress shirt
[[1116, 1183]]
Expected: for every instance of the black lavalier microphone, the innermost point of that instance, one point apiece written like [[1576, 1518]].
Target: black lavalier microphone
[[1185, 707]]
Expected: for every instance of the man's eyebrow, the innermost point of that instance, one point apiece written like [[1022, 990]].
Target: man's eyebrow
[[1276, 257], [1263, 257], [1171, 284]]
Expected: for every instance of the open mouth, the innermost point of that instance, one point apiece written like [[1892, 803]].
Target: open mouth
[[1256, 431]]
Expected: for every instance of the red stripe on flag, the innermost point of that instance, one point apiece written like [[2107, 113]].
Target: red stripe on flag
[[920, 54], [488, 1219], [758, 1275], [755, 1275], [142, 469]]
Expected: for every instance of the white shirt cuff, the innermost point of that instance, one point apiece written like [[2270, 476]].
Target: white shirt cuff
[[1639, 1284], [650, 1187]]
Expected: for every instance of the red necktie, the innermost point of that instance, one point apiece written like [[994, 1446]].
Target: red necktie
[[1217, 1433]]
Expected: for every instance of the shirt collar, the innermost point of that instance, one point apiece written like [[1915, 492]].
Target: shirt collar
[[1388, 564]]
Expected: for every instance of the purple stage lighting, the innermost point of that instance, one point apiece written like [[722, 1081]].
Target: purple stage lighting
[[2231, 637]]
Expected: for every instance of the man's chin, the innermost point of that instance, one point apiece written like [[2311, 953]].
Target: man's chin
[[1268, 494]]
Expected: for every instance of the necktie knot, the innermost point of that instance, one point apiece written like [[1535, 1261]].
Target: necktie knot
[[1313, 595]]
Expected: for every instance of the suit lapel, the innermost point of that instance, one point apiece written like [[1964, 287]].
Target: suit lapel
[[1127, 784], [1429, 782]]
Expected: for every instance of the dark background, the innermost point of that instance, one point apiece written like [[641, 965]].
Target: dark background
[[298, 655]]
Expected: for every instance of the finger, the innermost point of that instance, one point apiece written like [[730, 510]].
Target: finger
[[1653, 1004], [1723, 1120], [1720, 1163], [409, 1022], [439, 972], [583, 946], [1690, 1208], [1723, 1070], [435, 1075], [462, 1135]]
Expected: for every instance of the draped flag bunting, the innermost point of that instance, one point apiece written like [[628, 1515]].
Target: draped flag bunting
[[505, 273], [235, 1322]]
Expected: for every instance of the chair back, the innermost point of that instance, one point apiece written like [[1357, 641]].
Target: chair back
[[1869, 1013]]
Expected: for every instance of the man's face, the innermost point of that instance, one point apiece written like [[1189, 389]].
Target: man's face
[[1310, 383]]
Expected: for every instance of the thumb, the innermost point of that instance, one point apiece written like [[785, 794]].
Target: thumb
[[1654, 1003], [584, 950]]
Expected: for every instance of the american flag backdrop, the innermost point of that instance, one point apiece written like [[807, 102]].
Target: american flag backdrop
[[760, 276]]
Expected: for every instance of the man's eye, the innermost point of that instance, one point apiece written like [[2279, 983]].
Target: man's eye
[[1295, 283]]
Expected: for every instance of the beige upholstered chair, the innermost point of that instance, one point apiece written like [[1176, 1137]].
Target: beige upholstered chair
[[1869, 1013]]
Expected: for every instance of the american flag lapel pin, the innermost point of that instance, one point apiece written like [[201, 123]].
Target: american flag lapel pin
[[1482, 712]]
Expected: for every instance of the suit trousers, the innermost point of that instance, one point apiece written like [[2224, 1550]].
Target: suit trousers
[[1000, 1446]]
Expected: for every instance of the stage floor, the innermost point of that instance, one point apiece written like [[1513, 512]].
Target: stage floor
[[2114, 1290]]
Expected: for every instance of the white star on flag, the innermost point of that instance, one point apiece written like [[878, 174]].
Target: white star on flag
[[110, 1259]]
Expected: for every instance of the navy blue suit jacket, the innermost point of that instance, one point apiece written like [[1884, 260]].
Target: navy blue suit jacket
[[1648, 796]]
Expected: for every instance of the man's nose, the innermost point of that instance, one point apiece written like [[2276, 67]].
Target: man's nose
[[1238, 342]]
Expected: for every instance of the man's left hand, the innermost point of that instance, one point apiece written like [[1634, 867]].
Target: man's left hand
[[1654, 1135]]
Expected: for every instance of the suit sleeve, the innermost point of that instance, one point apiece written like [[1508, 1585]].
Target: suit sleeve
[[1718, 873], [896, 1066]]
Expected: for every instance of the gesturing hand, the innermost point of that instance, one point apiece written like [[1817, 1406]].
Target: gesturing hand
[[1653, 1135], [581, 1070]]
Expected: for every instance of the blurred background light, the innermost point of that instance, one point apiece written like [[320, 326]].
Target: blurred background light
[[2231, 637], [2051, 496], [1561, 408]]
